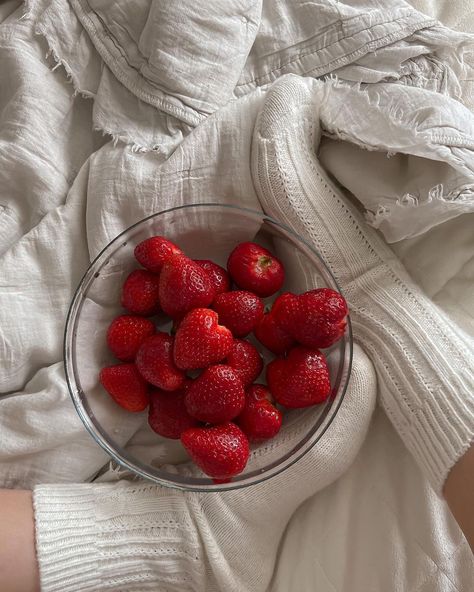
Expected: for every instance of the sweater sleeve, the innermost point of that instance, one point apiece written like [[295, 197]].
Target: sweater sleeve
[[131, 536], [424, 364]]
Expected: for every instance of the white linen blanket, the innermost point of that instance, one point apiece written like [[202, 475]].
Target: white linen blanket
[[159, 114]]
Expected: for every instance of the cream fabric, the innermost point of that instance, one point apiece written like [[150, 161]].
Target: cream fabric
[[424, 365], [137, 536], [66, 190]]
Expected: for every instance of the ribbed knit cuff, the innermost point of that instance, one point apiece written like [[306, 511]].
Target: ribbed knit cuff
[[426, 383], [66, 538], [120, 537]]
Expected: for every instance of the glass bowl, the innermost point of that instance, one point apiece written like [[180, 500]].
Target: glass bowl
[[204, 231]]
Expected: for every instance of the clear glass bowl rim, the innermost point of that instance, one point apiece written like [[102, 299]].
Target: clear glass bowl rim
[[202, 485]]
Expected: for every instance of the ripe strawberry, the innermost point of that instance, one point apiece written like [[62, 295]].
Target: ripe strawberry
[[200, 341], [140, 293], [272, 336], [221, 451], [215, 396], [259, 418], [283, 309], [217, 274], [167, 415], [245, 361], [155, 363], [153, 252], [239, 311], [125, 335], [254, 268], [315, 319], [125, 385], [184, 285], [300, 380], [330, 303]]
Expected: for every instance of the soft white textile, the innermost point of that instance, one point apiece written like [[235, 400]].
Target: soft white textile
[[136, 536], [54, 219], [423, 364]]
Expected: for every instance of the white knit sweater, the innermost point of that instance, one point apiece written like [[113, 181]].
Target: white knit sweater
[[134, 536]]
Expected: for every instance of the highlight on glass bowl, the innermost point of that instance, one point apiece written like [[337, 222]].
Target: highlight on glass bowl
[[207, 348]]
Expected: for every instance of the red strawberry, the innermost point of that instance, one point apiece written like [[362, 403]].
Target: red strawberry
[[184, 285], [217, 274], [155, 363], [125, 335], [125, 385], [283, 309], [245, 361], [167, 415], [239, 311], [140, 293], [216, 395], [300, 380], [254, 268], [153, 252], [221, 451], [200, 341], [272, 335], [259, 418], [315, 319]]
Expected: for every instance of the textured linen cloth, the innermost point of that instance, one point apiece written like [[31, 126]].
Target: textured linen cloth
[[66, 191]]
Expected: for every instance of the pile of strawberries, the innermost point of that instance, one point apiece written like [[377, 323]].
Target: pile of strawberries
[[198, 379]]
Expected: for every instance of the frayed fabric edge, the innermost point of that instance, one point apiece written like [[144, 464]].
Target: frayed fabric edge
[[393, 111], [462, 195], [115, 136], [395, 114]]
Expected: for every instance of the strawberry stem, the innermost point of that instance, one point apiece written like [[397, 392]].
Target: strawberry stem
[[265, 261]]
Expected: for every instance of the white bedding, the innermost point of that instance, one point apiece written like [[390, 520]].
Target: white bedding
[[65, 191]]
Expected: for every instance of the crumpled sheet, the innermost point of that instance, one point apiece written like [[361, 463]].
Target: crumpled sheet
[[401, 142]]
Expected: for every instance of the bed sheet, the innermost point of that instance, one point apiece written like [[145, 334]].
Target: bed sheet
[[378, 528]]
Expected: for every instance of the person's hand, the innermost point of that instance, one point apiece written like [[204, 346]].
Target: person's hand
[[121, 536]]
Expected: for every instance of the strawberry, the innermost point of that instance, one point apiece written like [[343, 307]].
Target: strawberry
[[316, 319], [217, 274], [125, 385], [140, 293], [239, 311], [282, 311], [300, 380], [200, 341], [259, 419], [245, 361], [125, 335], [215, 396], [153, 252], [254, 268], [167, 415], [155, 362], [272, 336], [221, 451], [184, 285]]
